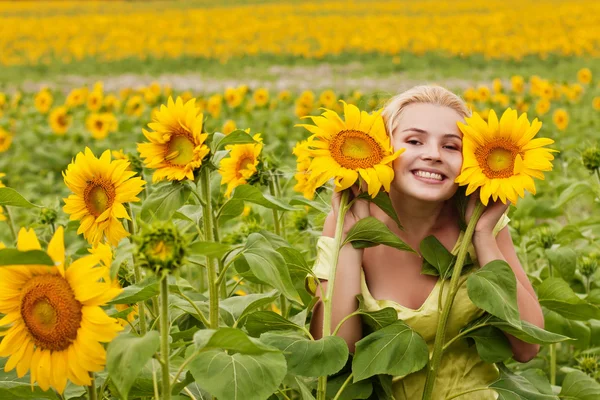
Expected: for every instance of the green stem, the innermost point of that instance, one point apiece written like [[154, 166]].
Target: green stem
[[222, 269], [213, 288], [598, 174], [136, 269], [440, 336], [278, 194], [200, 314], [164, 337], [92, 388], [328, 299], [339, 392], [9, 221], [466, 392], [346, 318], [273, 190], [463, 334], [553, 364]]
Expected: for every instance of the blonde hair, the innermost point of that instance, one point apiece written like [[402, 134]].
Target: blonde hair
[[427, 94]]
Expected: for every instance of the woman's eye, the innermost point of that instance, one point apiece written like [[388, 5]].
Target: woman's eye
[[413, 141], [451, 147]]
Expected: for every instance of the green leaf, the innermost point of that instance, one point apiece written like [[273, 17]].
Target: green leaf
[[307, 357], [139, 292], [301, 201], [557, 295], [23, 390], [579, 331], [126, 355], [269, 266], [493, 288], [528, 332], [383, 201], [492, 345], [240, 306], [376, 319], [239, 376], [29, 257], [576, 189], [394, 350], [436, 255], [564, 260], [254, 195], [352, 391], [578, 386], [164, 201], [514, 387], [260, 322], [10, 197], [305, 391], [370, 231], [209, 249], [233, 208], [538, 378], [230, 339], [236, 137]]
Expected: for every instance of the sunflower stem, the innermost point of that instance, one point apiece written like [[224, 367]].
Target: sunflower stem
[[327, 300], [222, 269], [10, 223], [92, 388], [136, 269], [164, 337], [273, 190], [213, 288], [436, 357], [552, 345]]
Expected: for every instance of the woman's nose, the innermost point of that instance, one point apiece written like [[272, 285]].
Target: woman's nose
[[431, 152]]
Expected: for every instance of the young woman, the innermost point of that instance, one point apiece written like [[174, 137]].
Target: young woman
[[423, 120]]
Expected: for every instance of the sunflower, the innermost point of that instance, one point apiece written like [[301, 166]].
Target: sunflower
[[135, 106], [304, 186], [56, 322], [95, 100], [501, 157], [60, 120], [2, 175], [43, 101], [233, 97], [261, 97], [112, 103], [100, 188], [596, 103], [542, 106], [517, 84], [241, 164], [328, 98], [560, 119], [97, 125], [343, 150], [214, 105], [176, 145], [584, 76], [229, 126], [75, 98], [5, 140], [2, 216]]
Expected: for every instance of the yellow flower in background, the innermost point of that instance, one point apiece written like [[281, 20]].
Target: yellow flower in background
[[154, 88], [97, 125], [584, 76], [95, 100], [100, 188], [284, 96], [43, 101], [306, 98], [241, 164], [343, 150], [233, 97], [261, 97], [176, 146], [470, 94], [517, 84], [542, 106], [501, 99], [60, 120], [111, 121], [328, 99], [497, 85], [560, 119], [247, 210], [483, 93], [150, 97], [213, 106], [2, 216], [596, 103], [75, 98], [229, 126], [304, 186], [5, 140], [186, 96], [135, 106], [2, 175], [501, 157], [54, 314]]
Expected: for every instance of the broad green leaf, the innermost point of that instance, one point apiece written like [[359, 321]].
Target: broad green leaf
[[236, 137], [189, 212], [557, 295], [260, 322], [231, 209], [138, 292], [10, 389], [578, 386], [579, 331], [352, 391], [492, 345], [538, 378], [436, 255], [238, 306], [269, 266], [564, 260], [305, 391], [10, 197], [376, 319], [514, 387], [230, 339], [576, 189], [594, 297], [239, 376], [528, 332], [126, 355], [29, 257], [296, 263], [164, 200], [254, 195], [493, 288], [383, 201], [307, 357], [394, 350], [370, 231], [209, 249], [301, 201]]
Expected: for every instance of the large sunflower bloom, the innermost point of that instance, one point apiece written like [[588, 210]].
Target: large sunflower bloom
[[176, 145], [241, 164], [56, 322], [100, 188], [501, 157], [343, 150]]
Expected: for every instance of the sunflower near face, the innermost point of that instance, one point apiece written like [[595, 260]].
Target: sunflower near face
[[100, 187], [60, 120], [54, 316], [241, 164], [345, 150], [176, 143], [501, 158]]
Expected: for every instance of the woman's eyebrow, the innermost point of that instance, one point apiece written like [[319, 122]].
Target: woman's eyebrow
[[418, 130]]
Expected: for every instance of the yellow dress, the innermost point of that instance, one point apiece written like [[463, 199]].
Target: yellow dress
[[461, 367]]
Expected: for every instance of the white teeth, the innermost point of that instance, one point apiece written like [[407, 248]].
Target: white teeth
[[430, 175]]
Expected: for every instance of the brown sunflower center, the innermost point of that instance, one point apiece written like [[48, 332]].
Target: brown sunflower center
[[99, 195], [180, 150], [50, 312], [62, 120], [497, 159], [99, 124], [355, 149]]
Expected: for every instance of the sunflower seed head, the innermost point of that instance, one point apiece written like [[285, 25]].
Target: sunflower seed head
[[161, 248], [590, 158]]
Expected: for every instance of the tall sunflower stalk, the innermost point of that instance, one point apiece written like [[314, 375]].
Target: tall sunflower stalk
[[500, 157], [211, 268], [343, 150]]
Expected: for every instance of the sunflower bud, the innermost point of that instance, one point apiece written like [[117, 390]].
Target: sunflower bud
[[300, 220], [591, 158], [590, 365], [587, 265], [161, 248], [48, 216], [136, 164], [545, 237]]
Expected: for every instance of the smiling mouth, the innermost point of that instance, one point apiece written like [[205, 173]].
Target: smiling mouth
[[429, 176]]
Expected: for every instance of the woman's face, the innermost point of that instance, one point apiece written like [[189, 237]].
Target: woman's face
[[433, 156]]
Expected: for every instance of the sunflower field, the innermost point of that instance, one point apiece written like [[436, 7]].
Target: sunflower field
[[166, 169]]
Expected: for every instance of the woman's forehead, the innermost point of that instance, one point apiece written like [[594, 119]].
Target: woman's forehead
[[430, 118]]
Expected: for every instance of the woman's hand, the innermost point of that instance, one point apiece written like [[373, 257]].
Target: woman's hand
[[490, 217], [358, 211]]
